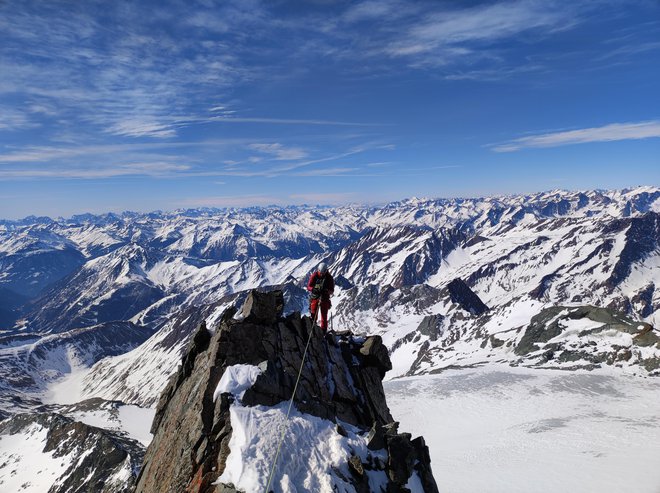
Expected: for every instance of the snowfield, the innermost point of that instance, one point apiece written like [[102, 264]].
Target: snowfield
[[508, 430]]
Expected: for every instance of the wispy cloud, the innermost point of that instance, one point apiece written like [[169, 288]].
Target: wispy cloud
[[462, 39], [140, 127], [327, 172], [280, 152], [607, 133], [292, 121], [482, 24], [154, 169], [265, 200], [11, 119], [169, 159]]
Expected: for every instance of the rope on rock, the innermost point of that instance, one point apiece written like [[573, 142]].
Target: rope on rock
[[288, 412]]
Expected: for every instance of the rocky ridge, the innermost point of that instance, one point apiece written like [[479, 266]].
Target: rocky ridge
[[196, 422]]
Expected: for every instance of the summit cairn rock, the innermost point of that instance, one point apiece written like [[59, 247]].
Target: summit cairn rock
[[263, 308], [341, 382]]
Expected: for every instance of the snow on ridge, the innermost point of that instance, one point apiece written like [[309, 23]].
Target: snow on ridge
[[315, 452], [314, 449]]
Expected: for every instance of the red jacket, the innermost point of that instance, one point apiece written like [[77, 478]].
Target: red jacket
[[328, 284]]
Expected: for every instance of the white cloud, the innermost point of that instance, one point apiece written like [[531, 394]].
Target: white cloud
[[290, 121], [280, 152], [374, 9], [438, 35], [11, 119], [607, 133], [327, 172], [140, 127], [153, 169]]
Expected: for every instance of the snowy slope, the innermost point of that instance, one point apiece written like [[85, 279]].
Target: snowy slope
[[50, 452], [519, 254], [500, 429]]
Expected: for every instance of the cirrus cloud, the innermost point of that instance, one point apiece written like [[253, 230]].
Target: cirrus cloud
[[606, 133]]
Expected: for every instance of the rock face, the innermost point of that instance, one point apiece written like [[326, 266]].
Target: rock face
[[462, 295], [431, 326], [341, 382]]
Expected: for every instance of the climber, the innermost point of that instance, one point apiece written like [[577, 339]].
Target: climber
[[322, 286]]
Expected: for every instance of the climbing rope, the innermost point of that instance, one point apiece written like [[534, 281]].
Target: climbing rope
[[288, 412]]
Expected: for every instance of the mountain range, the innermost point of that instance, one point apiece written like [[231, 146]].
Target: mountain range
[[102, 307]]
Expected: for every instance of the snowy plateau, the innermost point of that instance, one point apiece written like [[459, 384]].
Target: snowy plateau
[[521, 330]]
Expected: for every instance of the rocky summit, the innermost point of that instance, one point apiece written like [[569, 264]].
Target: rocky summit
[[222, 414]]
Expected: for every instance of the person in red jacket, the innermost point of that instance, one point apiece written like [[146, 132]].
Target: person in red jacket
[[322, 286]]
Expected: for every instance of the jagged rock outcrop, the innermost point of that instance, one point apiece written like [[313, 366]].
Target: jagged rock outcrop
[[341, 382], [77, 458]]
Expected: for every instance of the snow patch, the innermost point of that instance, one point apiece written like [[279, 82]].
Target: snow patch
[[236, 380], [313, 456]]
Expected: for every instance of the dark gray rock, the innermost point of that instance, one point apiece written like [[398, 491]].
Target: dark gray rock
[[462, 295], [552, 321], [539, 330], [431, 326], [263, 308], [642, 238]]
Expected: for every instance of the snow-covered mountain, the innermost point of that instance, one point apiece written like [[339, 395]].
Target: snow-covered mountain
[[101, 306]]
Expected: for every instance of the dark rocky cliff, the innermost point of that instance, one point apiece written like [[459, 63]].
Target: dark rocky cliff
[[341, 382]]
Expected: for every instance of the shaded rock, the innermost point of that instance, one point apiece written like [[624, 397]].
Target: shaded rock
[[342, 282], [586, 351], [462, 295], [647, 337], [376, 437], [375, 354], [642, 237], [263, 308], [539, 330], [401, 458], [495, 342]]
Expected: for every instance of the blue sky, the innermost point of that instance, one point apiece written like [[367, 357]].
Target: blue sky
[[111, 106]]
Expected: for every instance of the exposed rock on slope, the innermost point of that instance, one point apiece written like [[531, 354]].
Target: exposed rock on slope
[[559, 337], [61, 455], [218, 419], [588, 337]]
